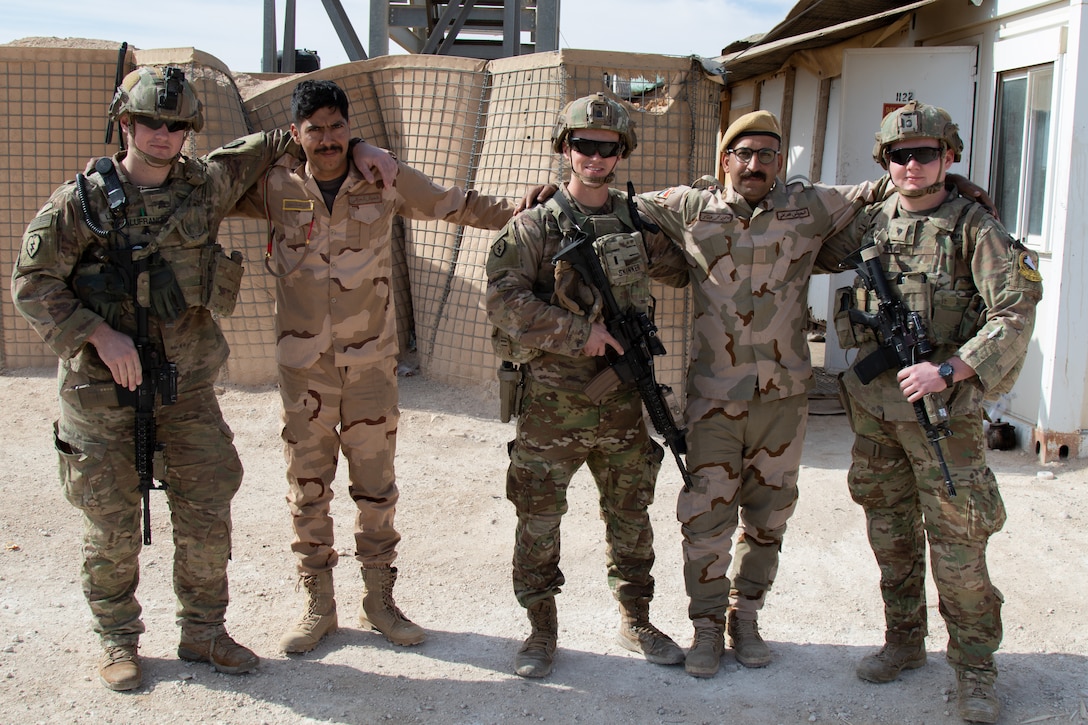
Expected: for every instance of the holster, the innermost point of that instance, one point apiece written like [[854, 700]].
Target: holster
[[511, 386]]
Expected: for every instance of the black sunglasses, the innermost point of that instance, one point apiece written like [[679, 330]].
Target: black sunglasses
[[587, 147], [156, 123], [922, 154]]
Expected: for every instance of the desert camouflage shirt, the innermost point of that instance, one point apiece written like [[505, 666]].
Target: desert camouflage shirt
[[750, 276], [58, 243], [335, 292]]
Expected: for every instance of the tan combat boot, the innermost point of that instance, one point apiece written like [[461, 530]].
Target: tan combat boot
[[223, 653], [537, 654], [748, 647], [707, 646], [638, 635], [901, 651], [379, 610], [119, 668], [977, 700], [319, 616]]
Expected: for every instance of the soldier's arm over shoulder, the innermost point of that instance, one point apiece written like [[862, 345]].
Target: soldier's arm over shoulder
[[52, 245], [239, 164], [421, 198], [668, 263]]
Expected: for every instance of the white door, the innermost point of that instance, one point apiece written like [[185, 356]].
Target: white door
[[876, 81]]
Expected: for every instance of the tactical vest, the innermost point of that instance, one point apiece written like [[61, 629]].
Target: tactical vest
[[620, 248], [927, 267], [193, 273]]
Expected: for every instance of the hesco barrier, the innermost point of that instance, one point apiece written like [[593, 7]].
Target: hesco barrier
[[463, 122]]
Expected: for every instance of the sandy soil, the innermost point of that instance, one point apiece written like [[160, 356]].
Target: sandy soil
[[823, 615]]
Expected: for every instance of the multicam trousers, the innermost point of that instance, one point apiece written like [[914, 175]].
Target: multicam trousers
[[895, 477], [328, 409], [202, 472], [558, 431], [744, 457]]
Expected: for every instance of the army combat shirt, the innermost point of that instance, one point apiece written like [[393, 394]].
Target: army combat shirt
[[56, 242]]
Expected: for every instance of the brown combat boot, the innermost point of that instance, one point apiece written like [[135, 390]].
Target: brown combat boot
[[901, 651], [638, 635], [537, 654], [224, 654], [748, 647], [319, 616], [707, 646], [119, 668], [977, 700], [379, 610]]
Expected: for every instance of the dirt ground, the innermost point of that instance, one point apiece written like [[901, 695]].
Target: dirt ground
[[822, 616]]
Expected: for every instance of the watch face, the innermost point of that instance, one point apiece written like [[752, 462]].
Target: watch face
[[945, 371]]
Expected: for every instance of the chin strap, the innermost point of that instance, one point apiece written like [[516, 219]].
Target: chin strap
[[591, 183]]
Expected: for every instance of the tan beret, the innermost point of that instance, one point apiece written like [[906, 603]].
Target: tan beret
[[756, 123]]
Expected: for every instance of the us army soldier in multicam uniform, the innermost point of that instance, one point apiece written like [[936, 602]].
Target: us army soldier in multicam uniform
[[976, 289], [336, 348], [68, 285], [554, 329], [752, 247]]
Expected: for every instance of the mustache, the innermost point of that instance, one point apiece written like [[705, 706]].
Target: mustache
[[753, 175], [330, 147]]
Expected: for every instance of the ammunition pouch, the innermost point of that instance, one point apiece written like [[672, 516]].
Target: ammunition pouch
[[623, 258], [849, 332], [223, 279], [207, 277]]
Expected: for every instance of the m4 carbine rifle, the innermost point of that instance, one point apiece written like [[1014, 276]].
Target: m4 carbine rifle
[[636, 333], [904, 341], [158, 378]]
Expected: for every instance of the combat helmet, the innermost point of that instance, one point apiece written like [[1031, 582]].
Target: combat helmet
[[596, 111], [161, 93], [917, 120]]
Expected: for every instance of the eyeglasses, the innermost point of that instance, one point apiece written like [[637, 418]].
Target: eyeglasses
[[922, 154], [156, 123], [744, 155], [588, 147]]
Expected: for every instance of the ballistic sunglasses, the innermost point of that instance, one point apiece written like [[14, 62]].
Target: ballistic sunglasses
[[587, 147], [156, 123], [922, 154]]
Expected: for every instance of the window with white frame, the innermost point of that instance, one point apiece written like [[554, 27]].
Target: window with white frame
[[1022, 151]]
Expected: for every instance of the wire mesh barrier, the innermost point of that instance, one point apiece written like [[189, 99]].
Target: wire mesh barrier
[[463, 122]]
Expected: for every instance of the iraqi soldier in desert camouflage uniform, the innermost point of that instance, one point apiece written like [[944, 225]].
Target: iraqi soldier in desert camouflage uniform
[[752, 246], [976, 290], [554, 329], [71, 284], [336, 348]]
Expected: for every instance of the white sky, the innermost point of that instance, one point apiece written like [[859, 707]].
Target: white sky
[[232, 30]]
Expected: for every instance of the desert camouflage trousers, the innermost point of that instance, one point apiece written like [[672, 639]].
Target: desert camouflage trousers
[[896, 479], [558, 431], [202, 472], [744, 458], [326, 410]]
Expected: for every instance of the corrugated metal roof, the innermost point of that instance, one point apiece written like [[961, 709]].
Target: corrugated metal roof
[[810, 24]]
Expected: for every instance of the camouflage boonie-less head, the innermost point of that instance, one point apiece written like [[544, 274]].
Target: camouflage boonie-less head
[[917, 120], [160, 93], [596, 111]]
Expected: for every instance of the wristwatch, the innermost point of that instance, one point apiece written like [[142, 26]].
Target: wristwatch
[[945, 371]]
